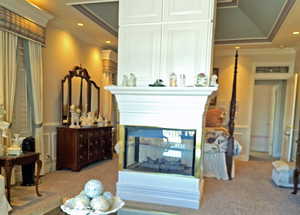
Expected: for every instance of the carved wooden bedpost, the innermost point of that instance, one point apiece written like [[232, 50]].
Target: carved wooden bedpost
[[297, 167], [230, 149]]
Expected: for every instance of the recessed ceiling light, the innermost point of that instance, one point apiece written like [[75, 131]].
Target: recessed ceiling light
[[80, 24], [296, 32], [237, 47], [108, 41]]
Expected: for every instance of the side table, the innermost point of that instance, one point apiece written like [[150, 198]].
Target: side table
[[9, 161]]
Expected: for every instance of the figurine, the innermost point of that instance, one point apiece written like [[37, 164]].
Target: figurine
[[201, 80], [88, 119], [15, 148], [75, 112], [125, 81], [213, 81], [131, 80], [100, 120], [173, 80], [157, 83], [182, 80]]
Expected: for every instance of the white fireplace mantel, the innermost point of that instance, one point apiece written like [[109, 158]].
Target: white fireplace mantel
[[174, 91], [168, 107]]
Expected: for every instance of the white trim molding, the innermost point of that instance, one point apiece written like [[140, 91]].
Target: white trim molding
[[274, 76], [28, 11]]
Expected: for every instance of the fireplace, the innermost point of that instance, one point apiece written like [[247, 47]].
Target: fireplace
[[160, 150], [160, 139]]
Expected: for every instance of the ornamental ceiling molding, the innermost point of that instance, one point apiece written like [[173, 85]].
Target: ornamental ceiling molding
[[269, 38], [255, 52], [85, 11]]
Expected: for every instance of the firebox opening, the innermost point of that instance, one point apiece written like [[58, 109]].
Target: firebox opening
[[160, 150]]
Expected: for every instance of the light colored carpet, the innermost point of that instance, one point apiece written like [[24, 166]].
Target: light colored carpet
[[261, 156], [250, 193]]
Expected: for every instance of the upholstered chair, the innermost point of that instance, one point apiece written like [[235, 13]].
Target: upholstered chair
[[4, 205]]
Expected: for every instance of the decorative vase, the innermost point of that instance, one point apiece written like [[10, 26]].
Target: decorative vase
[[173, 80], [132, 80]]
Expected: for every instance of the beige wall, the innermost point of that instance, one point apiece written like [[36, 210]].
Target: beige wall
[[245, 86], [62, 52]]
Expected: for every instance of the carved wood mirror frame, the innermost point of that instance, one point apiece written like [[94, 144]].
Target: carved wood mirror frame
[[83, 74]]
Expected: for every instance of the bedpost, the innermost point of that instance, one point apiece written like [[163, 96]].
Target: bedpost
[[230, 149]]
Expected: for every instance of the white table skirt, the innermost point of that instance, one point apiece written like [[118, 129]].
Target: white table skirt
[[4, 205], [214, 165]]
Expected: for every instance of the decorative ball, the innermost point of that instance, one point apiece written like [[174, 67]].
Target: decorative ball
[[82, 193], [81, 202], [93, 188], [109, 197], [100, 204]]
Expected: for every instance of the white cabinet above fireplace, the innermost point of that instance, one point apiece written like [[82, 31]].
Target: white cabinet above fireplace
[[140, 11], [139, 53], [161, 37], [156, 11], [179, 10]]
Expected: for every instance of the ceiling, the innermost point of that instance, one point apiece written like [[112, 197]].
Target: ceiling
[[247, 23]]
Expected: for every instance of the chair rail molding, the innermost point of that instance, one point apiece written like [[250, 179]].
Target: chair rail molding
[[28, 11], [51, 124]]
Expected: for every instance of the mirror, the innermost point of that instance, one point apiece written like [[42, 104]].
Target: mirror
[[78, 89], [95, 99]]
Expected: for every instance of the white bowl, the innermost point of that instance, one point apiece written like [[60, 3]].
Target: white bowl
[[117, 205]]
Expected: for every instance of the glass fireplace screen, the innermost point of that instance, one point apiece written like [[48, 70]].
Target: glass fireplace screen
[[160, 150]]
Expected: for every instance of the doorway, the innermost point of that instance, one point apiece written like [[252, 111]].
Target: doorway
[[267, 119]]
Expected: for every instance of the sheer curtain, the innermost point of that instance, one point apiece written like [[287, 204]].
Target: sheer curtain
[[36, 76]]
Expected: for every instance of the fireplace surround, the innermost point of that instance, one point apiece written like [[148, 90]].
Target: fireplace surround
[[167, 110]]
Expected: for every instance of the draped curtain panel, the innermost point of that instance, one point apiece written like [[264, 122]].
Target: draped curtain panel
[[36, 75], [8, 71]]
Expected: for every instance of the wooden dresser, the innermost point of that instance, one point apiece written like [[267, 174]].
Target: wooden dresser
[[78, 147]]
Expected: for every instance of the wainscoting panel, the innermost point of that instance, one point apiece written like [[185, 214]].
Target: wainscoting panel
[[49, 148], [242, 134]]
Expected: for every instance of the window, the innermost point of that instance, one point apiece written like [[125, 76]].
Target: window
[[22, 115]]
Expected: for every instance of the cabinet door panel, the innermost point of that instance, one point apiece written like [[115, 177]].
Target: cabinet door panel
[[181, 10], [140, 11], [139, 53], [186, 50]]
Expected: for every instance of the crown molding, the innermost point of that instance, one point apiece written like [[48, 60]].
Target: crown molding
[[264, 51], [28, 11], [85, 11], [79, 2], [268, 38]]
